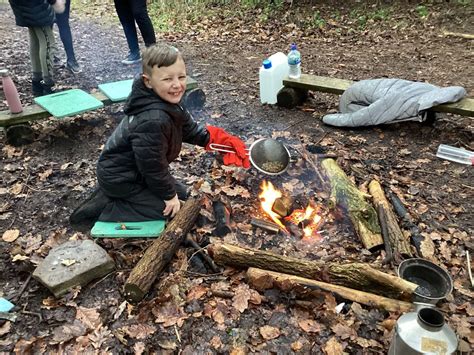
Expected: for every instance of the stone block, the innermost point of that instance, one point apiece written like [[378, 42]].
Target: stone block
[[74, 263]]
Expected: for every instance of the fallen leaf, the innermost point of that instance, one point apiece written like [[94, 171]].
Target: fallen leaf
[[68, 262], [139, 348], [168, 345], [237, 190], [17, 188], [309, 325], [296, 345], [100, 336], [139, 331], [10, 235], [333, 347], [343, 331], [19, 257], [241, 297], [268, 332], [89, 316], [5, 329], [216, 342], [120, 310], [196, 293], [44, 175], [68, 331], [368, 343]]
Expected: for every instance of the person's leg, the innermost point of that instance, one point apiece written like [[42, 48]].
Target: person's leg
[[62, 20], [140, 14], [35, 62], [125, 15], [46, 46]]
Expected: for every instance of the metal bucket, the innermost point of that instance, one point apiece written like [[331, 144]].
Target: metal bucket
[[434, 282]]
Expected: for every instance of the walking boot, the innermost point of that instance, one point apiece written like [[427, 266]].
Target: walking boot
[[37, 88], [47, 87], [87, 213]]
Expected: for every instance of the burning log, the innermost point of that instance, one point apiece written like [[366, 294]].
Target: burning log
[[363, 216], [266, 225], [159, 254], [354, 275], [396, 243], [263, 279], [222, 215]]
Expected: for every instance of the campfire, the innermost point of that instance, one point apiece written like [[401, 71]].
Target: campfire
[[278, 208]]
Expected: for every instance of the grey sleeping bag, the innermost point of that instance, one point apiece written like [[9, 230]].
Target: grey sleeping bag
[[378, 101]]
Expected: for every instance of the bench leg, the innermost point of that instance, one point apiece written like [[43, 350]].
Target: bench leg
[[20, 134], [291, 97]]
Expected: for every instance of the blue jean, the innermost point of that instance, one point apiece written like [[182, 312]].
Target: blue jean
[[62, 20], [129, 12]]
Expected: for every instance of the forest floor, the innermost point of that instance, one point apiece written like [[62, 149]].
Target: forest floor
[[184, 312]]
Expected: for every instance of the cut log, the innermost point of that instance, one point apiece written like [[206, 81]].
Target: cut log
[[291, 97], [264, 279], [159, 254], [398, 244], [363, 216], [354, 275], [222, 215]]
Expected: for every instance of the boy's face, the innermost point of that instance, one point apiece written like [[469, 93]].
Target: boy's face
[[169, 83]]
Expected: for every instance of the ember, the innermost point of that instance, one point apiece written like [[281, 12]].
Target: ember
[[308, 219]]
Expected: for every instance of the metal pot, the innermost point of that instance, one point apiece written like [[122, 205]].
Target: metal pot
[[267, 155]]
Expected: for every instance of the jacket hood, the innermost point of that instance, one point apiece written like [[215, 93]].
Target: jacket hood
[[143, 99]]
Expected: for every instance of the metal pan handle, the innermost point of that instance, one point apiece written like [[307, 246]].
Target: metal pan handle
[[224, 148]]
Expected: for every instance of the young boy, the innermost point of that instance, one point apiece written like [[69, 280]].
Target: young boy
[[135, 183]]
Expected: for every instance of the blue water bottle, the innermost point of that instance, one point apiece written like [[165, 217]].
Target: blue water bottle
[[294, 62]]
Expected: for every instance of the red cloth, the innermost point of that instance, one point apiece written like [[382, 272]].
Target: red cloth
[[220, 136]]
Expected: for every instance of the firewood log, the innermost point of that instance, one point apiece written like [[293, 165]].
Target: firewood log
[[354, 275], [264, 279], [398, 244], [361, 213], [160, 253]]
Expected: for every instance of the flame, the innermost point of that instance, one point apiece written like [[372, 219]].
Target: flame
[[310, 217], [267, 197]]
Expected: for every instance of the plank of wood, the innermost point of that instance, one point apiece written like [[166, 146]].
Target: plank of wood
[[464, 107], [35, 112]]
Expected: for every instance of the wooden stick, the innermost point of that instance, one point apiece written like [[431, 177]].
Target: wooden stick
[[354, 275], [222, 215], [160, 253], [267, 279], [267, 225], [469, 272], [190, 240], [458, 34], [396, 241]]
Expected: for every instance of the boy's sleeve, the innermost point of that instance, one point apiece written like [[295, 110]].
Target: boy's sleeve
[[194, 133], [150, 144]]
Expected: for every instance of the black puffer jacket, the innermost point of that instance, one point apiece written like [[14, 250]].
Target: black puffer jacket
[[33, 13], [138, 152]]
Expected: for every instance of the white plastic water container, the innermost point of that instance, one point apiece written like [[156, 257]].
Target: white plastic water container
[[271, 75]]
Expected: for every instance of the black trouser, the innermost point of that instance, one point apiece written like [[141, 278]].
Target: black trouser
[[62, 20], [129, 12]]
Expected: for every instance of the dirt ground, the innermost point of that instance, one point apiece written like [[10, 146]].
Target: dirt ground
[[42, 182]]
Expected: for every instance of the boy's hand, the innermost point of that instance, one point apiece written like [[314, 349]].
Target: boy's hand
[[172, 206], [220, 136], [59, 6]]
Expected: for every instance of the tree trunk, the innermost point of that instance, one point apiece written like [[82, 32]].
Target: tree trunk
[[397, 241], [159, 254], [354, 275], [263, 279], [362, 214]]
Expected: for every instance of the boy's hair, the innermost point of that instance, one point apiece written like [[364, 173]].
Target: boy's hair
[[161, 55]]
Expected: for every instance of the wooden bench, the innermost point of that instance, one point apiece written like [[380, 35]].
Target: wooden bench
[[295, 92], [19, 132]]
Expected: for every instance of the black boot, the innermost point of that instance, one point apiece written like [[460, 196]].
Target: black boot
[[47, 87], [87, 213], [37, 88]]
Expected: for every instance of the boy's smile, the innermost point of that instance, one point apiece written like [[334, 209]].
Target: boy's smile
[[169, 83]]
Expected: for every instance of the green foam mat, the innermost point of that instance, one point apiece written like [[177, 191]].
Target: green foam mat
[[148, 229], [68, 103], [117, 90]]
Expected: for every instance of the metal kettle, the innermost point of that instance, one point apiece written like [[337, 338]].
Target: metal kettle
[[423, 332]]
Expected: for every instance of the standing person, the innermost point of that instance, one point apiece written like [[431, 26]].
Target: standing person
[[62, 20], [129, 12], [135, 182], [38, 16]]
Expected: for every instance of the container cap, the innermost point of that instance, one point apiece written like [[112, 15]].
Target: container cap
[[293, 46], [267, 64], [3, 72]]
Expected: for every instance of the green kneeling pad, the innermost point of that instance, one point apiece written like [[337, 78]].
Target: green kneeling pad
[[148, 229]]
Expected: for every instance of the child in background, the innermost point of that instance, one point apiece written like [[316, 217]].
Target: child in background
[[135, 183], [38, 16]]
